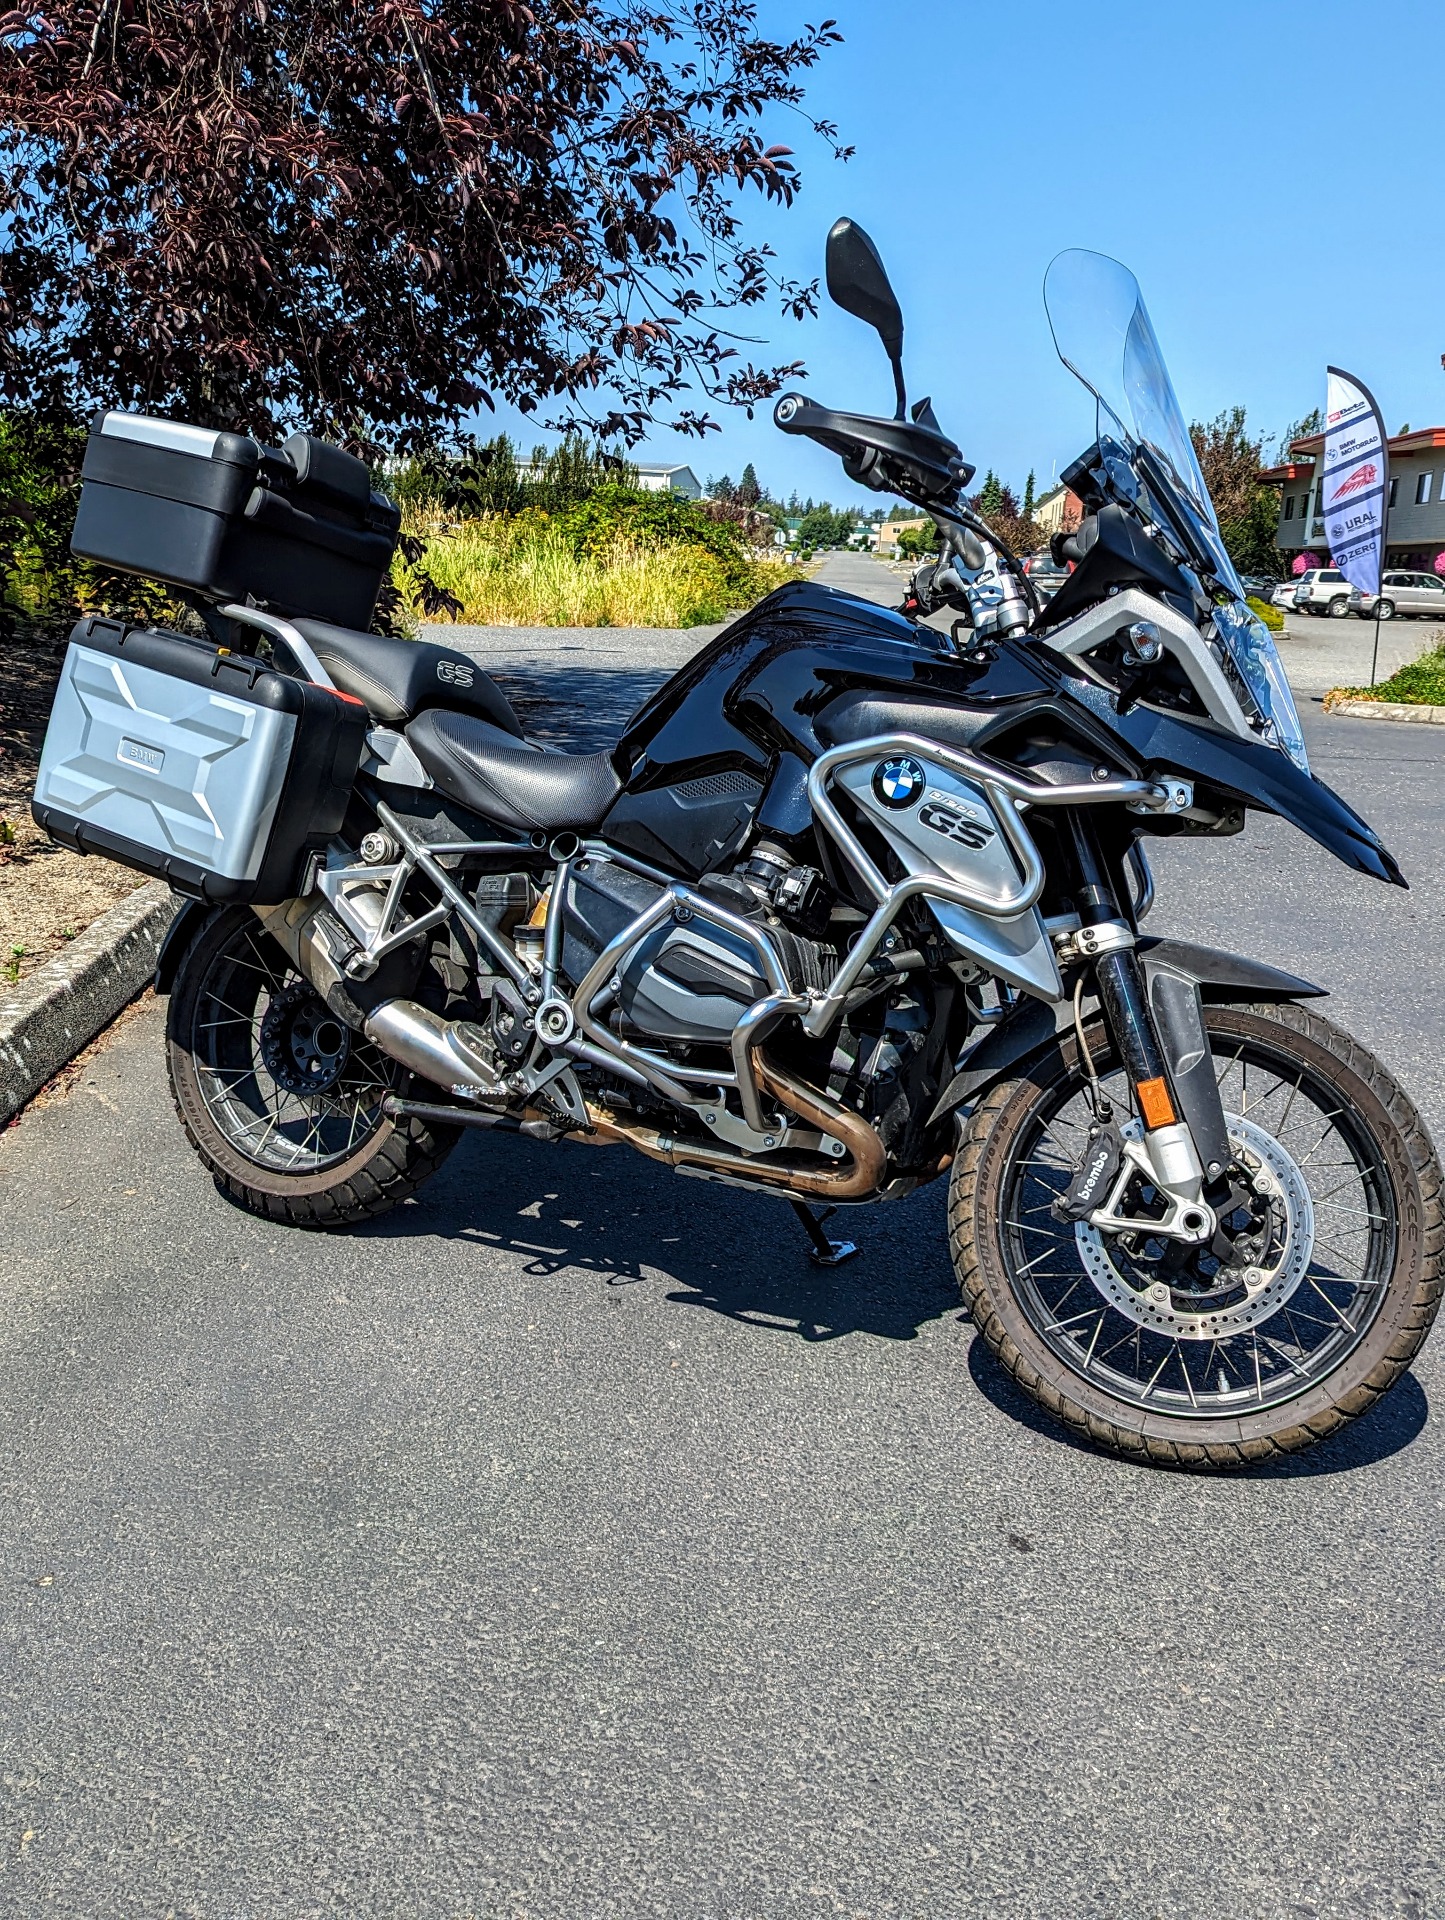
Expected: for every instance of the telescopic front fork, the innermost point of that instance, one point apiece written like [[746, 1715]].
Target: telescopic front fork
[[1161, 1043]]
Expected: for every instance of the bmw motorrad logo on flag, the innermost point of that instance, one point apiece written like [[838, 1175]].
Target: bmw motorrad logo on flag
[[898, 783]]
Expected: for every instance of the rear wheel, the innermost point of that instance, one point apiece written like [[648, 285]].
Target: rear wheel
[[281, 1100], [1309, 1306], [1384, 610]]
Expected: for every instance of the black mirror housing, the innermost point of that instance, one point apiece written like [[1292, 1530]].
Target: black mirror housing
[[858, 283]]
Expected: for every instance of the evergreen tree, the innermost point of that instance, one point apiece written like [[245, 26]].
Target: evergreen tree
[[1029, 494], [991, 494], [749, 492]]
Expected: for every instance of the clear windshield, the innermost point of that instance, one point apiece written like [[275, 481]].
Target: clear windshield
[[1104, 336]]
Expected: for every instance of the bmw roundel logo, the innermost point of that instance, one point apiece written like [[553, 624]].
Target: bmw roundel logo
[[898, 783]]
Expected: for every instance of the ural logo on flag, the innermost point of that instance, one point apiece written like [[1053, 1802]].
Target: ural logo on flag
[[1364, 476]]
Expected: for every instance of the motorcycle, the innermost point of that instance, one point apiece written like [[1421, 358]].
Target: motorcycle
[[854, 904]]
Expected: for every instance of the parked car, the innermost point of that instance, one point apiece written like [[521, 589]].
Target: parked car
[[1260, 585], [1419, 594], [1323, 590], [1045, 574], [1284, 593]]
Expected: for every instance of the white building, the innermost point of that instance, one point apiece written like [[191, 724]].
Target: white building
[[667, 479], [651, 477]]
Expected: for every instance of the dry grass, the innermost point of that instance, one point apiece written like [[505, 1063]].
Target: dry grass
[[517, 573]]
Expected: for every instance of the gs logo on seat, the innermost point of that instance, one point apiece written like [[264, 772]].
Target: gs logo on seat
[[456, 673]]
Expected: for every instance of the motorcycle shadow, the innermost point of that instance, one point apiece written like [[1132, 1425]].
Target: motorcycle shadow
[[581, 1210], [573, 1210]]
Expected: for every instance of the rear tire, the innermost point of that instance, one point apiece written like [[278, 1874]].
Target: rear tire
[[312, 1149], [1040, 1323], [1384, 611]]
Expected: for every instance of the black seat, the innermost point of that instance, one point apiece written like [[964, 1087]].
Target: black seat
[[510, 781], [398, 679]]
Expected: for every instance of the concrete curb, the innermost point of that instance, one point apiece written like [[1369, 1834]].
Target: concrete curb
[[1386, 710], [47, 1019]]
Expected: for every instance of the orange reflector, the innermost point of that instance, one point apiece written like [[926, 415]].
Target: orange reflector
[[1154, 1103]]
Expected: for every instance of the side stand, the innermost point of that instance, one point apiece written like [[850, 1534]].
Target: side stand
[[822, 1251]]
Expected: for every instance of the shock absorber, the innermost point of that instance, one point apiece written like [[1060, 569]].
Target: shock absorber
[[1107, 938]]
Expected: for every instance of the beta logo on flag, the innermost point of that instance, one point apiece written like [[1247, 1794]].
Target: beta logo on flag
[[1354, 481]]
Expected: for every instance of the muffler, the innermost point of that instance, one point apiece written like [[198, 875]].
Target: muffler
[[439, 1050]]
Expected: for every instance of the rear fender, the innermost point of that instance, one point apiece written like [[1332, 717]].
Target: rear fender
[[1031, 1027], [179, 935]]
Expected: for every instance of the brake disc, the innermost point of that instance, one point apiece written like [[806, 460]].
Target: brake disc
[[1277, 1180]]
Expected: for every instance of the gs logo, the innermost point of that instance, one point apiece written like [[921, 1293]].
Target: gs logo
[[956, 826], [456, 673]]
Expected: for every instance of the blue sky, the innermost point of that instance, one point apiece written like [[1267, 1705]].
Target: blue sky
[[1191, 141]]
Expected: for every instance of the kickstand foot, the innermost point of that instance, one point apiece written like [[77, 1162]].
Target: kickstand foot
[[822, 1251]]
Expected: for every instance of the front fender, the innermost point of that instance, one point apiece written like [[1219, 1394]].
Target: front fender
[[1032, 1026]]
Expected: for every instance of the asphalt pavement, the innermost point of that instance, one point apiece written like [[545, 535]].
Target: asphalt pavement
[[565, 1545]]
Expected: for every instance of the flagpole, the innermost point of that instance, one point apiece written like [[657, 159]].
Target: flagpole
[[1375, 656]]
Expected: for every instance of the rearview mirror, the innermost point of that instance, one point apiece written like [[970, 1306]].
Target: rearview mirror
[[858, 283]]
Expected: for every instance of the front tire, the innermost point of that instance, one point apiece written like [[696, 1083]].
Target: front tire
[[1338, 607], [281, 1101], [1065, 1311]]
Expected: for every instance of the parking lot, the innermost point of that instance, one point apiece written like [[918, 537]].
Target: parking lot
[[564, 1544], [1319, 653]]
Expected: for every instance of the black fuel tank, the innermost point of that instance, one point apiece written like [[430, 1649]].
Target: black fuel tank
[[731, 735]]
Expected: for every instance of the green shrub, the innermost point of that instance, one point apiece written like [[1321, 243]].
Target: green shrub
[[1272, 617], [614, 514], [534, 570], [1419, 683]]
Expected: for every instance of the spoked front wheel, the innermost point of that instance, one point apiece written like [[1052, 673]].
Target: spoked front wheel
[[282, 1100], [1308, 1304]]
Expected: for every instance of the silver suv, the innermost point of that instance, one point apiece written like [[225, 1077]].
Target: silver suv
[[1323, 590], [1420, 594]]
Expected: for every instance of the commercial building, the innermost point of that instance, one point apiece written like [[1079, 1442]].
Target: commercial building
[[1415, 525]]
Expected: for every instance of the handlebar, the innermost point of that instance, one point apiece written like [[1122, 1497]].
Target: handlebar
[[910, 458]]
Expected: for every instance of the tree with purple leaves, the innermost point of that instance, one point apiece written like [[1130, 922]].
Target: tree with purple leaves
[[373, 220]]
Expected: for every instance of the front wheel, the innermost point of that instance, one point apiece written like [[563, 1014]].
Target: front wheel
[[1338, 607], [1307, 1307], [281, 1100]]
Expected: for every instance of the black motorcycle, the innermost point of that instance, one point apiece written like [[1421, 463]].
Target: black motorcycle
[[853, 903]]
